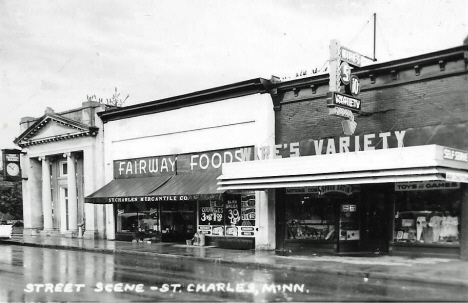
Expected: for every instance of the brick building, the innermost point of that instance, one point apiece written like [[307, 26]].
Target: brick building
[[398, 193]]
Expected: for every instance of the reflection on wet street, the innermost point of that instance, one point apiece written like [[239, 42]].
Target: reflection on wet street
[[42, 274]]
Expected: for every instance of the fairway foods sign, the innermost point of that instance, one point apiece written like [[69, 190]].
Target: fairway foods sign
[[210, 161]]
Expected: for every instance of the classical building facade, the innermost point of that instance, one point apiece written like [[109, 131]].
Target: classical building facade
[[62, 161]]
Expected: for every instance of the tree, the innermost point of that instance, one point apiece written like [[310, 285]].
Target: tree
[[11, 199], [115, 100]]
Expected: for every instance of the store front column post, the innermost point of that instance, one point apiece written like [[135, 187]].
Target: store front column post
[[265, 209], [464, 223], [32, 195], [110, 222], [90, 209], [72, 197], [46, 197]]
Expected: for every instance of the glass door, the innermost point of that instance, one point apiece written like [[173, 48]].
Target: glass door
[[349, 227]]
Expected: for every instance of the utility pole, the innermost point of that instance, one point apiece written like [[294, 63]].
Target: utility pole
[[375, 33]]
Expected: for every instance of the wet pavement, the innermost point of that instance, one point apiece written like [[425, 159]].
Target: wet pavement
[[427, 270], [33, 273]]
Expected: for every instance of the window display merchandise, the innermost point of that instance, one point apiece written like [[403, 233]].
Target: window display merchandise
[[310, 218], [430, 217]]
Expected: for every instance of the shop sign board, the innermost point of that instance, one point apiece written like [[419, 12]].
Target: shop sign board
[[341, 100], [247, 231], [456, 155], [348, 208], [457, 177], [205, 229], [350, 56], [133, 199], [321, 190], [345, 73], [210, 161], [343, 144], [425, 185], [354, 86]]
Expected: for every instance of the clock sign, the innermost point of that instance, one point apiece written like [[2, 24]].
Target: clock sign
[[13, 169], [11, 164]]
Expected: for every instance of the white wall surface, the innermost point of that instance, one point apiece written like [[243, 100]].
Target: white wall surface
[[237, 122]]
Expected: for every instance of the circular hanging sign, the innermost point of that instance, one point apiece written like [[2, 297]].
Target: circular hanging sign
[[345, 73], [354, 85]]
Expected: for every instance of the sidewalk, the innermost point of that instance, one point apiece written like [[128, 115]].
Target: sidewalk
[[426, 270]]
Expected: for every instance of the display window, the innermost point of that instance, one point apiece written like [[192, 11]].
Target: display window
[[137, 217], [310, 218], [233, 216], [428, 217]]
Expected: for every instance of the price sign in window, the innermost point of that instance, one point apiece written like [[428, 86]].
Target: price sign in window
[[211, 213], [232, 212]]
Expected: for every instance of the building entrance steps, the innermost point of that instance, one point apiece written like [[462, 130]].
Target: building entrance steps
[[426, 270]]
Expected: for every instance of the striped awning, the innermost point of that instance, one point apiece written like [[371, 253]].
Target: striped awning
[[420, 163]]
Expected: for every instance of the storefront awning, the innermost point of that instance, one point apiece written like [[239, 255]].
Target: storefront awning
[[419, 163], [126, 190], [189, 184]]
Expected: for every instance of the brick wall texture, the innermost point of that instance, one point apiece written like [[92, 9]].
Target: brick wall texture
[[412, 105]]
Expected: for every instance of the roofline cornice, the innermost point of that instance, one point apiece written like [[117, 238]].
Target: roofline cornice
[[239, 89], [459, 52], [45, 119]]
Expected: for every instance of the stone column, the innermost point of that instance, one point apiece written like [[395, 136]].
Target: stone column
[[32, 195], [63, 211], [72, 195], [89, 170], [46, 196]]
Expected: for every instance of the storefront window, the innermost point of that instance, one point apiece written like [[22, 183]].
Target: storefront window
[[137, 217], [234, 216], [310, 218], [428, 216]]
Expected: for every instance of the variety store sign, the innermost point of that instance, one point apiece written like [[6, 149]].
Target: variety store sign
[[212, 161]]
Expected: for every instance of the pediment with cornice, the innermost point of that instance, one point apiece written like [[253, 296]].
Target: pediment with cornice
[[51, 128]]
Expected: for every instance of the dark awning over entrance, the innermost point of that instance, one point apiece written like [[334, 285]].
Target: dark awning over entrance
[[151, 189], [126, 190], [189, 184]]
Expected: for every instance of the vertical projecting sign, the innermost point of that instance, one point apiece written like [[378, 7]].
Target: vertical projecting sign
[[343, 105], [11, 164]]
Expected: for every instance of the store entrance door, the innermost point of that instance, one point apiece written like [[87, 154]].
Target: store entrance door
[[375, 226], [349, 234], [177, 221]]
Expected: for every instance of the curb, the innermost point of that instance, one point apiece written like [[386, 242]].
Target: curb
[[340, 272]]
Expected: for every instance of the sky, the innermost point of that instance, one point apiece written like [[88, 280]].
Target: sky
[[56, 53]]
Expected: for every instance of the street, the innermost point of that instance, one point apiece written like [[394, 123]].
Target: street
[[42, 274]]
